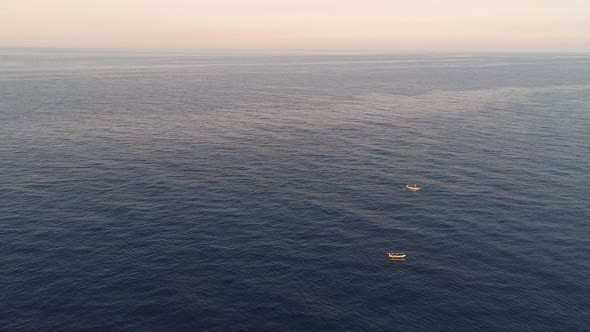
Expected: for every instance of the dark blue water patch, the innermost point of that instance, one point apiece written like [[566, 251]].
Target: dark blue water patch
[[159, 192]]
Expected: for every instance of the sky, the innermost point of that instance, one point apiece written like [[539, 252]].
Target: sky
[[363, 25]]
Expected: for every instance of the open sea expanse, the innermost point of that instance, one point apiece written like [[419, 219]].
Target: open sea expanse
[[172, 191]]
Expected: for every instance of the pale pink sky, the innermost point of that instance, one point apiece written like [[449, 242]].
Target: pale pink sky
[[389, 25]]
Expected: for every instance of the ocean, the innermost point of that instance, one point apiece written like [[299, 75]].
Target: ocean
[[178, 191]]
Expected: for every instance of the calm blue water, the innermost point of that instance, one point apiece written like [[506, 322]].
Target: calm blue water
[[162, 191]]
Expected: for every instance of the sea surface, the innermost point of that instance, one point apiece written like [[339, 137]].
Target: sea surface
[[178, 191]]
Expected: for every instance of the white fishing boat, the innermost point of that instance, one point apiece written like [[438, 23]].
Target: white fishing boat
[[413, 187], [396, 255]]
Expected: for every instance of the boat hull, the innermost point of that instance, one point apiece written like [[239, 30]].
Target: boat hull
[[396, 256]]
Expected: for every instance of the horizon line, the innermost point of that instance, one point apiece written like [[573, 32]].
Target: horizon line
[[281, 50]]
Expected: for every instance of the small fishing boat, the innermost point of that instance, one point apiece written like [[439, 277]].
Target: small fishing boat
[[396, 255], [413, 187]]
